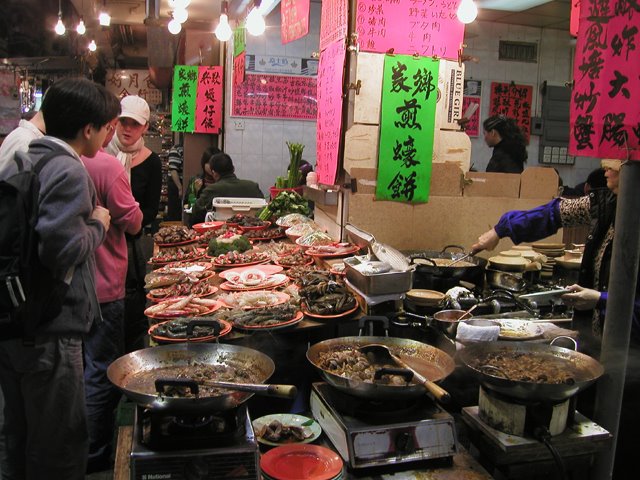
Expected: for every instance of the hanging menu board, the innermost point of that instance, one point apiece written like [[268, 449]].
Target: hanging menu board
[[294, 20], [407, 124], [275, 96], [330, 79], [197, 99], [513, 101], [410, 27], [333, 22], [604, 115]]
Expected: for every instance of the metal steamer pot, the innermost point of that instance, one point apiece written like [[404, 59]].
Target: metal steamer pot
[[586, 370], [423, 357], [430, 276], [121, 372]]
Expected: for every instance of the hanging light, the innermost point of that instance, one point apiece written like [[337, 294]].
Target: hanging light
[[174, 26], [223, 30], [180, 15], [104, 18], [255, 21], [92, 46], [467, 11], [81, 28], [60, 28]]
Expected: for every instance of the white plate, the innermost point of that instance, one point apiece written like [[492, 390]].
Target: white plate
[[513, 329], [288, 419]]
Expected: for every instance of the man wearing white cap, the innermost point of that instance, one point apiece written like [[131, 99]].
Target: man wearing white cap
[[145, 172]]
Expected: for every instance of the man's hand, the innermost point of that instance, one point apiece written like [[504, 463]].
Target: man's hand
[[487, 241], [581, 298], [102, 215]]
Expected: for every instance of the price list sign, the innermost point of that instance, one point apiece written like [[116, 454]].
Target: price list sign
[[407, 125], [513, 101], [605, 117], [422, 27], [333, 22], [294, 20]]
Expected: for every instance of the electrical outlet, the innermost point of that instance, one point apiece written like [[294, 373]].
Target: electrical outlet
[[238, 124]]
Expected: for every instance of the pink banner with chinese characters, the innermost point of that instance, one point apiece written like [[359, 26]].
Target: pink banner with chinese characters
[[410, 27], [275, 96], [574, 19], [330, 80], [513, 101], [209, 104], [294, 20], [333, 22], [238, 68], [472, 128], [604, 115]]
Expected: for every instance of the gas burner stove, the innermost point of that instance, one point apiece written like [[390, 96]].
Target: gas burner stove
[[218, 445], [371, 434]]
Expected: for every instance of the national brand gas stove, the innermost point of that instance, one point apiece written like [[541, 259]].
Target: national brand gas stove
[[216, 446], [369, 434]]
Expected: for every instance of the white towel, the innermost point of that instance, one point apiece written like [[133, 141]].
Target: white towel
[[471, 333]]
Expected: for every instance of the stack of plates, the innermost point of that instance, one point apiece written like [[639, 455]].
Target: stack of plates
[[425, 298], [301, 462], [552, 251]]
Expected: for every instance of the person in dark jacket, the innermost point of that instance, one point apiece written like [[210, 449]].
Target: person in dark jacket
[[589, 297], [226, 185], [45, 419], [199, 182], [508, 142]]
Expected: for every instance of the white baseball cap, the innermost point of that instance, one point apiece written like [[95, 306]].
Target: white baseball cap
[[135, 107]]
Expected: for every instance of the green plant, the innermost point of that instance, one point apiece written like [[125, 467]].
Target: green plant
[[295, 159]]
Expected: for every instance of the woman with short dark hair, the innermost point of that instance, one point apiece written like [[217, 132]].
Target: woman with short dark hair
[[508, 142]]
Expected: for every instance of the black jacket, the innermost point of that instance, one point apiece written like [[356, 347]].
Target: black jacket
[[507, 158]]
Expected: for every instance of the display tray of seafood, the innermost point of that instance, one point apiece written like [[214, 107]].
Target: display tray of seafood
[[188, 306], [175, 235], [296, 273], [209, 235], [334, 250], [235, 259], [264, 282], [253, 299], [176, 254], [198, 289], [325, 296], [176, 330], [247, 221], [294, 259], [264, 318], [265, 234]]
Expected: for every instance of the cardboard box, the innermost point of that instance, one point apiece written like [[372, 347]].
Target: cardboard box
[[482, 184], [539, 182], [361, 147]]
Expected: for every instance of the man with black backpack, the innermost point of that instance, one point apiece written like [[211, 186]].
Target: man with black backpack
[[47, 293]]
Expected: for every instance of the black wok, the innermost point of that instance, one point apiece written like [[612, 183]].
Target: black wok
[[584, 370], [431, 276], [419, 356], [121, 373]]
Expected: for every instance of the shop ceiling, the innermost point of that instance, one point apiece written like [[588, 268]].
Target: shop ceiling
[[137, 23]]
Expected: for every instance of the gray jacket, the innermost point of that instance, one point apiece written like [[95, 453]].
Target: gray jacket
[[68, 234]]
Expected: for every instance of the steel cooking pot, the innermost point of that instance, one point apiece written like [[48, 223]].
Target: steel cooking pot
[[432, 362], [123, 371], [584, 369], [430, 275]]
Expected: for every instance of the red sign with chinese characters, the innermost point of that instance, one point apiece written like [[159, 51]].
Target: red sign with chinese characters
[[513, 101], [275, 96], [209, 100], [238, 67], [294, 20]]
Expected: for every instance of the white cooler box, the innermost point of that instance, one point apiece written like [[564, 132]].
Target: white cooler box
[[227, 207]]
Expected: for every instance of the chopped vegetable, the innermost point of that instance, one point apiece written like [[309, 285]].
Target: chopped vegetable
[[285, 202], [219, 246]]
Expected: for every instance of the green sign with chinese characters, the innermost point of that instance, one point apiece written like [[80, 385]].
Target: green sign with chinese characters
[[407, 125], [239, 42], [183, 108]]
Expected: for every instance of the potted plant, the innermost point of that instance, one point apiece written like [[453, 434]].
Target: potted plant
[[292, 180]]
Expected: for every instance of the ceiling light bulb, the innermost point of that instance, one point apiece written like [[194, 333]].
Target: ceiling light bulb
[[223, 30], [467, 11], [60, 28], [174, 26], [105, 19], [81, 28], [93, 46], [175, 4], [255, 23], [180, 15]]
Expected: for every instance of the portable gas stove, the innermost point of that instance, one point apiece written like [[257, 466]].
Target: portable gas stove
[[368, 434], [216, 446]]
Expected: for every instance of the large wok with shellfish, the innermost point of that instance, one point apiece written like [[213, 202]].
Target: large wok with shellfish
[[340, 362], [531, 371]]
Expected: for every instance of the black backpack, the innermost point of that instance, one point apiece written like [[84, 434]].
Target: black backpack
[[29, 294]]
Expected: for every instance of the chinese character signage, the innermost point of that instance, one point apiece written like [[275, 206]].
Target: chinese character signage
[[330, 81], [333, 22], [239, 63], [197, 99], [239, 40], [426, 27], [472, 96], [275, 96], [605, 118], [133, 82], [281, 65], [407, 124], [209, 103], [513, 101], [294, 20]]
